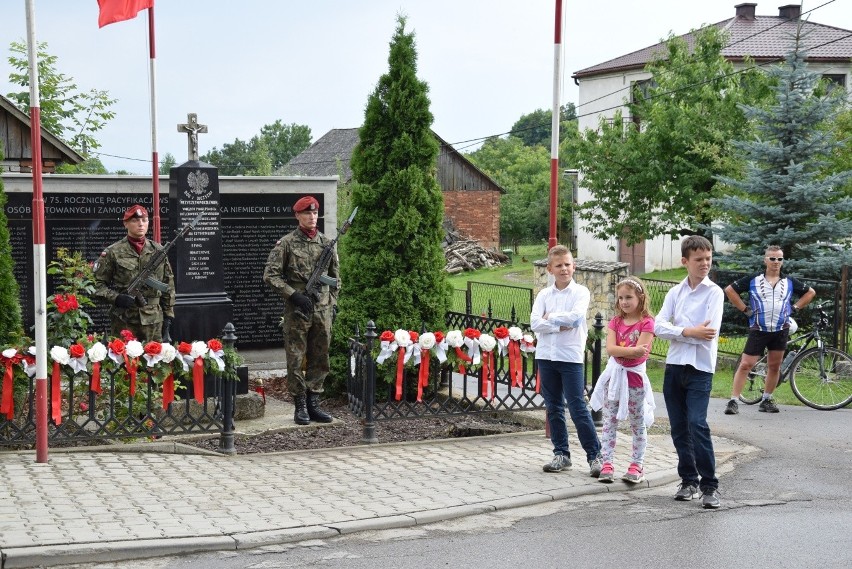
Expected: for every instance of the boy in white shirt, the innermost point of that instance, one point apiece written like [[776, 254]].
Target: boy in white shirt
[[558, 319], [690, 318]]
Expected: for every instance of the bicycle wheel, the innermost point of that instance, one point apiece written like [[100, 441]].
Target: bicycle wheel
[[753, 389], [826, 384]]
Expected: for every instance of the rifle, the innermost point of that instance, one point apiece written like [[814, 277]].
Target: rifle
[[144, 277], [313, 288]]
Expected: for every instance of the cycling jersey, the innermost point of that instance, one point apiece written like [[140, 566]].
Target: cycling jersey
[[771, 305]]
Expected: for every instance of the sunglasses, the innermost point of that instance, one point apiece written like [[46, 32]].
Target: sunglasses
[[775, 258]]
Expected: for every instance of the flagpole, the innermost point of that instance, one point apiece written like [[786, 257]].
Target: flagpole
[[155, 160], [556, 115], [39, 258]]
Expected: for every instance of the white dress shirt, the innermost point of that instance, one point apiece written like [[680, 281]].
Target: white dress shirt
[[566, 307], [685, 307]]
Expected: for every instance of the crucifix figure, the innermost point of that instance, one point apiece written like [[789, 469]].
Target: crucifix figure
[[192, 128]]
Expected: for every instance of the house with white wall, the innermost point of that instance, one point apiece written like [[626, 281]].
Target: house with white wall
[[605, 88]]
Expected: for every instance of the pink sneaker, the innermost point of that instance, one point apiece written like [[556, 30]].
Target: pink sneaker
[[634, 474], [607, 472]]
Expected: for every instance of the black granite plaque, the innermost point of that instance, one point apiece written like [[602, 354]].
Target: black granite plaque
[[250, 226], [202, 308]]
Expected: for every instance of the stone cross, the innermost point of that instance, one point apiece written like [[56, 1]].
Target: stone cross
[[192, 128]]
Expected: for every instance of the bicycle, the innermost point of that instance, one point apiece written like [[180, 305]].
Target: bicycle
[[820, 376]]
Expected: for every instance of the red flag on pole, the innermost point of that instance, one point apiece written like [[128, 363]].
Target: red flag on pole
[[112, 11]]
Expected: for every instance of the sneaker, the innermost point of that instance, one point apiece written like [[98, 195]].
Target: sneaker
[[686, 492], [634, 474], [595, 466], [710, 499], [607, 473], [559, 463], [768, 406], [732, 408]]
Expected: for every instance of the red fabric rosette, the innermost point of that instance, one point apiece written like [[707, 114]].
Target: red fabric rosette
[[198, 379], [387, 336], [168, 391], [55, 396], [76, 351]]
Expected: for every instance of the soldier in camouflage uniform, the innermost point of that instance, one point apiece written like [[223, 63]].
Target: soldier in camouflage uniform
[[118, 265], [288, 269]]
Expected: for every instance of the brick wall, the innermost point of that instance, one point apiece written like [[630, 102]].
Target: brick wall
[[475, 214]]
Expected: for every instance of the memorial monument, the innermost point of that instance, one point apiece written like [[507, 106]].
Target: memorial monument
[[202, 307]]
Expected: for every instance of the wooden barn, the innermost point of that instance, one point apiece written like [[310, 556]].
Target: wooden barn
[[471, 198], [15, 137]]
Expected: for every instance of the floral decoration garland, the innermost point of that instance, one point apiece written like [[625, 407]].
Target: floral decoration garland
[[164, 362], [463, 349]]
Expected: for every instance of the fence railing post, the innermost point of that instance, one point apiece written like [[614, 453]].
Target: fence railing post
[[226, 438], [369, 433], [597, 416]]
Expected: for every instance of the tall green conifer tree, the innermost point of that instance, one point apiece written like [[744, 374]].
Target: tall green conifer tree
[[10, 308], [392, 263], [785, 197]]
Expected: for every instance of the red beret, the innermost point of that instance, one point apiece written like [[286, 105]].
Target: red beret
[[135, 210], [307, 203]]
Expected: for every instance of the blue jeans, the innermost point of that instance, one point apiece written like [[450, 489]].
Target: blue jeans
[[687, 394], [563, 382]]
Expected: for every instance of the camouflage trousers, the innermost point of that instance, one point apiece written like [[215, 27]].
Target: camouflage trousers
[[306, 347], [143, 332]]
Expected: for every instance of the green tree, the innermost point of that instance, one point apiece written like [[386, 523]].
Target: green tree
[[167, 163], [785, 197], [91, 165], [11, 326], [535, 128], [69, 113], [392, 264], [264, 154], [524, 172], [658, 179]]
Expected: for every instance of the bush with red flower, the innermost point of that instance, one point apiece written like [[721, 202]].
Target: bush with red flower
[[66, 318]]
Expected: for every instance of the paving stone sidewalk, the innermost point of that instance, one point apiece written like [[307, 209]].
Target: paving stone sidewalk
[[102, 506]]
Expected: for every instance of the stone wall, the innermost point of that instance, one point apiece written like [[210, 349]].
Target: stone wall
[[599, 277]]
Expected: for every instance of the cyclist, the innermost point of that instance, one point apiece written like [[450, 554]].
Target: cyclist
[[770, 305]]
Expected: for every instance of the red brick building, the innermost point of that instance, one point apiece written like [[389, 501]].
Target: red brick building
[[471, 198]]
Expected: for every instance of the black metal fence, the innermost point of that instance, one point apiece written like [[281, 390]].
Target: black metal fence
[[123, 406], [505, 302]]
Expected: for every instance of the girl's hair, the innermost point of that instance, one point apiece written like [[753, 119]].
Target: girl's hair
[[641, 293]]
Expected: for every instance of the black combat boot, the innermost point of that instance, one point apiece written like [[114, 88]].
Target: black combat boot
[[300, 417], [314, 411]]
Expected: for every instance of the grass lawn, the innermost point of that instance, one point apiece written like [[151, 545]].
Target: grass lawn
[[519, 273]]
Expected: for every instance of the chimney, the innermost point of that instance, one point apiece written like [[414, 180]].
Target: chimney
[[790, 12], [745, 11]]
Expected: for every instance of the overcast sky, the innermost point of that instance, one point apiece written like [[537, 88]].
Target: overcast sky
[[242, 64]]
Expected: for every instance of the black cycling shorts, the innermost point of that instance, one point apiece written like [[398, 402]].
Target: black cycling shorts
[[758, 341]]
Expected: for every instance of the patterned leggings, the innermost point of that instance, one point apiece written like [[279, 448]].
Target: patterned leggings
[[635, 414]]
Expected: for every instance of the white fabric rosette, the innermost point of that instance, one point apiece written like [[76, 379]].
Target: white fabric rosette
[[168, 353], [403, 340], [199, 350], [515, 333], [487, 342], [427, 340], [60, 355], [97, 352], [455, 338], [9, 353], [134, 349]]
